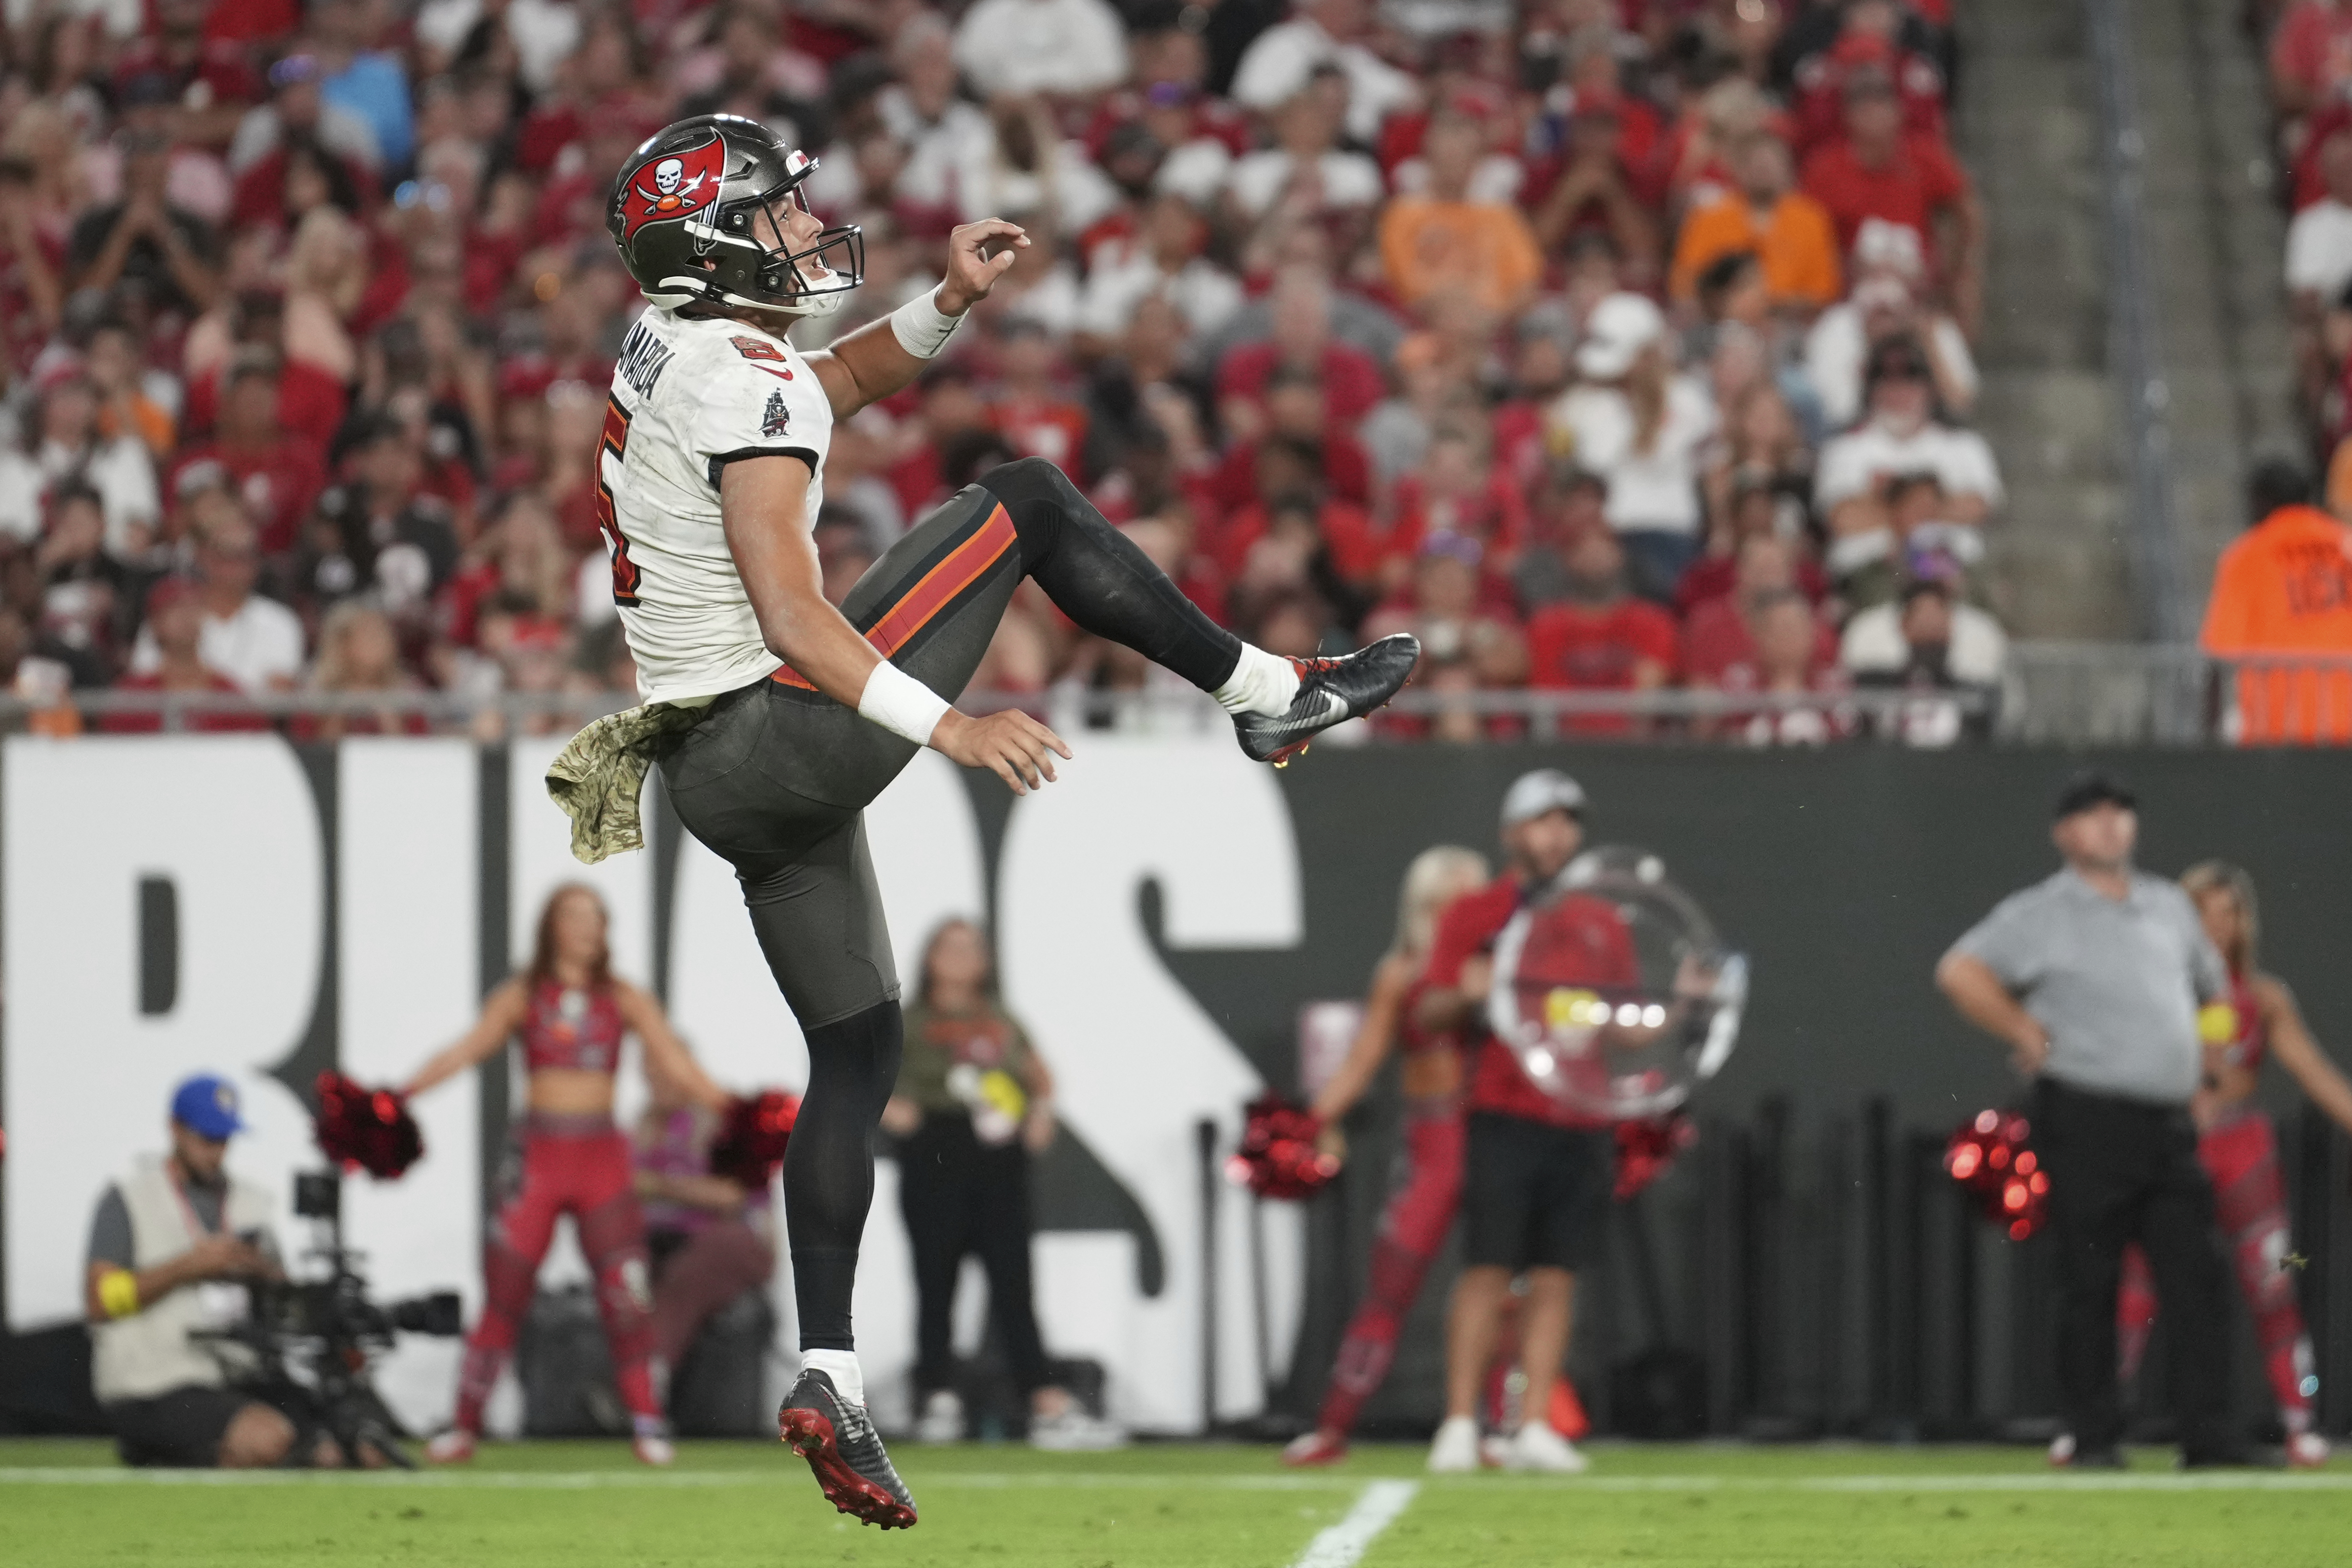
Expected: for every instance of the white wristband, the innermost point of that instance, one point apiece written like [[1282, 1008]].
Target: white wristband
[[921, 328], [901, 704]]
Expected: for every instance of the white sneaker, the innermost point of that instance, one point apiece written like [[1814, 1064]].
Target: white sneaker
[[1536, 1446], [2061, 1449], [1073, 1431], [942, 1418], [2306, 1450], [652, 1449], [1455, 1450], [453, 1446]]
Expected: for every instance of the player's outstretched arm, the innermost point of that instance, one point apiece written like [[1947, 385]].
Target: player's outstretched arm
[[763, 505], [882, 357], [501, 1015]]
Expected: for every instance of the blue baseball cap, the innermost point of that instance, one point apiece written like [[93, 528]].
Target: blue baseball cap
[[206, 1106]]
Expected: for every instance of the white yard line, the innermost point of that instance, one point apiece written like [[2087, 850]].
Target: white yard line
[[1344, 1543]]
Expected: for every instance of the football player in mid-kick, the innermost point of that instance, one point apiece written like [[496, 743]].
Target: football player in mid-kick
[[774, 717]]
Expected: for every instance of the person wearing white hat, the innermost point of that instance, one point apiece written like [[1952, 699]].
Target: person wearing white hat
[[1536, 1176], [1633, 419]]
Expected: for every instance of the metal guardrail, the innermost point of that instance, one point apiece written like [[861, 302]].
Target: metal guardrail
[[2080, 694]]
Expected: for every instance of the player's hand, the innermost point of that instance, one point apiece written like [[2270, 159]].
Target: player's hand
[[972, 271], [1010, 745]]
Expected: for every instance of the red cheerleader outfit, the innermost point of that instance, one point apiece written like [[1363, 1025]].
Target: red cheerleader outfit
[[578, 1165], [2240, 1154], [1427, 1190]]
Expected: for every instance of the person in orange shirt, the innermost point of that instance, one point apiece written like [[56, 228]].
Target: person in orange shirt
[[1788, 231], [2283, 592], [1445, 241]]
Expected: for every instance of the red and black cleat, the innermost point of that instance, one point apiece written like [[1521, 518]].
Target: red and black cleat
[[1331, 690], [839, 1442]]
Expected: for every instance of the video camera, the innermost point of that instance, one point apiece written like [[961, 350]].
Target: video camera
[[327, 1330]]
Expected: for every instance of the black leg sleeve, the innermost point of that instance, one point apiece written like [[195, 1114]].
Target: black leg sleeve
[[1099, 579], [829, 1165]]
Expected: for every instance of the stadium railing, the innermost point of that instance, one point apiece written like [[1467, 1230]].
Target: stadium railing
[[2055, 693]]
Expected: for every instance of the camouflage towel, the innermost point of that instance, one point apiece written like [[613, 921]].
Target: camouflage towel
[[598, 778]]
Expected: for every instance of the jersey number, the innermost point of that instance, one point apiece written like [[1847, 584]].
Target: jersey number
[[625, 575]]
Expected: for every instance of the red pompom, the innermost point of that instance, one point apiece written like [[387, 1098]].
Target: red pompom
[[1646, 1147], [1278, 1157], [365, 1129], [751, 1137], [1989, 1157]]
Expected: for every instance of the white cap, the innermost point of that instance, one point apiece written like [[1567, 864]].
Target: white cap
[[1620, 328], [1545, 790]]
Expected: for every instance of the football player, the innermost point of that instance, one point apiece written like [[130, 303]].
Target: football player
[[775, 718]]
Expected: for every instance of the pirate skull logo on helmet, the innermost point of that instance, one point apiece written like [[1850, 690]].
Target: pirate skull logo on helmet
[[711, 212]]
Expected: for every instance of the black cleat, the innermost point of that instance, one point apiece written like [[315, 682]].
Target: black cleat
[[1331, 690], [839, 1442]]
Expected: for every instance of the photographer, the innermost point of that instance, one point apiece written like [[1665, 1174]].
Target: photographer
[[171, 1244]]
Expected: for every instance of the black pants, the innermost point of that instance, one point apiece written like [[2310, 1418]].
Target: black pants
[[2123, 1171], [964, 1198], [777, 776]]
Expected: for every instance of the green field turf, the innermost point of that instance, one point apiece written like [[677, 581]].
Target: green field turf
[[580, 1505]]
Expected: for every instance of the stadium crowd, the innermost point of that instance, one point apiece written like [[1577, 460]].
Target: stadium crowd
[[1608, 345]]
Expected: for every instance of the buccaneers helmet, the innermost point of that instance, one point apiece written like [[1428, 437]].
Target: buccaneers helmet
[[682, 212]]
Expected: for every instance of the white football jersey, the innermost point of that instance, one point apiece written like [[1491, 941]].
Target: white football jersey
[[689, 396]]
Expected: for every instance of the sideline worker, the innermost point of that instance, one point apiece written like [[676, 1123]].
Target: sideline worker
[[2094, 978], [170, 1248]]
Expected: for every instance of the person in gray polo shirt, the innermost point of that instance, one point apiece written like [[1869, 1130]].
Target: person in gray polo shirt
[[2094, 978]]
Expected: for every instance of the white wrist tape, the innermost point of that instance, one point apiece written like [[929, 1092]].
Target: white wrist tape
[[901, 704], [921, 328]]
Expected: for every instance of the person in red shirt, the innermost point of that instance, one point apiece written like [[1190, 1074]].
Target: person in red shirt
[[1867, 39], [1032, 416], [1352, 382], [1536, 1173], [1597, 637], [1875, 170], [278, 475], [1719, 638], [177, 616]]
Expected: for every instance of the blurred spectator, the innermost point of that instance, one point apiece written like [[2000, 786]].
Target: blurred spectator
[[2319, 240], [1596, 636], [2282, 591], [1788, 663], [277, 475], [254, 641], [1164, 257], [1877, 171], [1635, 422], [1030, 411], [708, 1240], [1324, 33], [32, 266], [1788, 231], [1885, 304], [1721, 637], [1301, 339], [64, 446], [1599, 191], [1306, 176], [359, 652], [1447, 242], [175, 617], [1900, 435], [1072, 49], [2310, 57], [357, 74], [1928, 641], [1868, 40], [1753, 508], [297, 117], [168, 254]]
